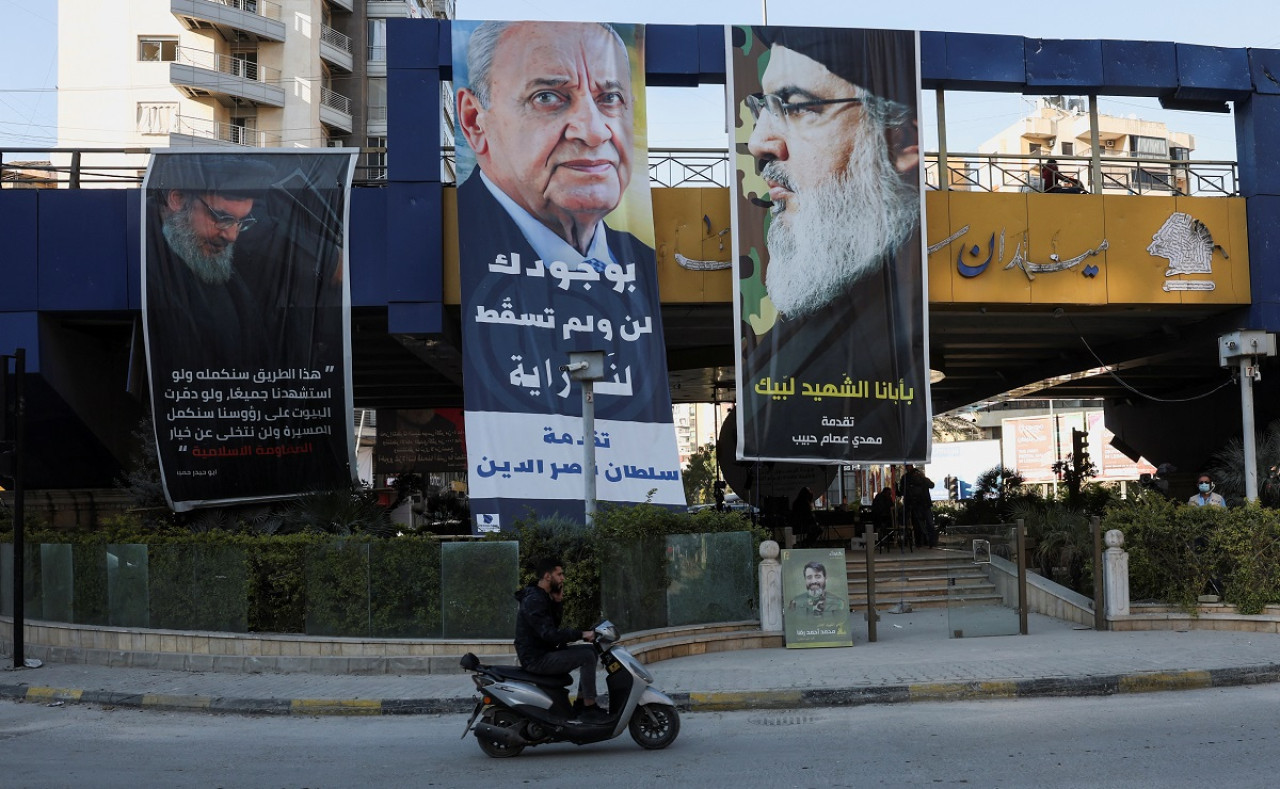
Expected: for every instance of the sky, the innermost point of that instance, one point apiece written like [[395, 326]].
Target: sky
[[682, 117]]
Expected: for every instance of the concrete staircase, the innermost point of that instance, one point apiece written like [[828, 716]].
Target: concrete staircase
[[921, 579]]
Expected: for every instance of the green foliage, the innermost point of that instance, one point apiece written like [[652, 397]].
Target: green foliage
[[1058, 535], [1178, 552], [996, 491], [1227, 464], [700, 475]]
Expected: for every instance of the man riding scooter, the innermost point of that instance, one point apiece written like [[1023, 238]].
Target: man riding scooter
[[542, 645]]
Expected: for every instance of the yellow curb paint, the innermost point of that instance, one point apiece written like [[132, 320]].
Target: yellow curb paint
[[185, 702], [702, 702], [336, 707], [962, 690], [53, 694], [1165, 680]]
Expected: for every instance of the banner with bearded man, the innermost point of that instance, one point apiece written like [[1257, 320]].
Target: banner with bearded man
[[830, 287]]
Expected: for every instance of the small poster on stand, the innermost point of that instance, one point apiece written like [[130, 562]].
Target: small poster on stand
[[815, 610]]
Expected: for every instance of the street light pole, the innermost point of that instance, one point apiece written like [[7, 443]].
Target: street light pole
[[1241, 349], [587, 367]]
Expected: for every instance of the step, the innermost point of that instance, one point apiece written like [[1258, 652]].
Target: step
[[922, 587], [883, 603]]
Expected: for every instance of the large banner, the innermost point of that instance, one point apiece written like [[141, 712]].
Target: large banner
[[245, 311], [555, 233], [419, 441], [829, 295]]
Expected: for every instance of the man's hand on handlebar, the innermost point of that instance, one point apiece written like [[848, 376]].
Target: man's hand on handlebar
[[589, 636]]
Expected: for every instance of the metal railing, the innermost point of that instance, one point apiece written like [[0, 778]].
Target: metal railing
[[334, 100], [669, 168], [236, 67], [335, 39], [263, 8], [694, 167], [226, 132], [1127, 174], [377, 53], [376, 113]]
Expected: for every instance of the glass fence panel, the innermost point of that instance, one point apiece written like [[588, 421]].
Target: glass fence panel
[[92, 604], [974, 607], [711, 578], [127, 585], [199, 587], [477, 580], [633, 585], [338, 594], [405, 588], [57, 584]]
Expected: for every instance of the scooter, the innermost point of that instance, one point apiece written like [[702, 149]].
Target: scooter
[[515, 708]]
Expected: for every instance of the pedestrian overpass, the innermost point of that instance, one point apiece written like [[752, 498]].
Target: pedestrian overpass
[[1060, 295]]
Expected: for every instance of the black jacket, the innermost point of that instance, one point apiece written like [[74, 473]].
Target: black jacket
[[538, 628]]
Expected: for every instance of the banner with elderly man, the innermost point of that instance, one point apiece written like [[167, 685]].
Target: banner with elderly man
[[830, 279], [245, 312], [555, 236]]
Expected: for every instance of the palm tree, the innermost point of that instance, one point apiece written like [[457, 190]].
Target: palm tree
[[1227, 464]]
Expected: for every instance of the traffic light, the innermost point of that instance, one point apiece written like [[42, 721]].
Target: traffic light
[[1080, 448], [953, 488]]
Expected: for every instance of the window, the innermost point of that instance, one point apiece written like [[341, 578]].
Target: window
[[377, 40], [1068, 149], [377, 99], [243, 130], [158, 48], [156, 117], [375, 162], [1033, 148]]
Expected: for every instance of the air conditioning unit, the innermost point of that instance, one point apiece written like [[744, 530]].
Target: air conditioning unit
[[1108, 143]]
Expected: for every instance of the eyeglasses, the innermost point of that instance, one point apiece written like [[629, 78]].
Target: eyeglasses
[[782, 109], [224, 221]]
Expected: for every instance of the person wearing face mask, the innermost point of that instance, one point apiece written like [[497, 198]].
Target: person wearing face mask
[[1205, 497]]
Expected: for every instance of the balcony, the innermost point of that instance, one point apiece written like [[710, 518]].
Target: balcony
[[234, 20], [230, 81], [343, 5], [335, 49], [189, 131], [335, 110]]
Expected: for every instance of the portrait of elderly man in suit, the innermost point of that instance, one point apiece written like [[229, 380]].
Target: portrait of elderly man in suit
[[834, 205], [549, 115]]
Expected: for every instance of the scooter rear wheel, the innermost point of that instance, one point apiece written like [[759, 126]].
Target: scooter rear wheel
[[654, 726], [495, 748]]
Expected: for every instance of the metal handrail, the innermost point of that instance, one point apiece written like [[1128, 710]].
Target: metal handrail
[[262, 8], [236, 67], [1126, 174], [335, 39], [334, 100], [226, 132]]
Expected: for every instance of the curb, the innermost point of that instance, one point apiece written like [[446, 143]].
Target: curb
[[695, 701]]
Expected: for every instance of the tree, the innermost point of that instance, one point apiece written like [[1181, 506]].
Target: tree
[[700, 475], [1227, 464]]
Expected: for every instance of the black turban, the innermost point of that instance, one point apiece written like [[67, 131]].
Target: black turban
[[881, 61]]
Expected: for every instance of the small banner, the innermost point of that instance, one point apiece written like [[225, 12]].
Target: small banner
[[555, 235], [829, 292], [245, 310], [815, 610], [419, 441]]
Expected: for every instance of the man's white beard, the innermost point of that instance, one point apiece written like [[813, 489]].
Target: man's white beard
[[213, 269], [842, 230]]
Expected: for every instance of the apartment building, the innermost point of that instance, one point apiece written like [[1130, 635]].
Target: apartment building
[[252, 73], [1130, 147]]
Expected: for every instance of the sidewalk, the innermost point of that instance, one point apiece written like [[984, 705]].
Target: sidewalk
[[913, 660]]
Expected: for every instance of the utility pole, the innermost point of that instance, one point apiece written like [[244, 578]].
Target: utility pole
[[587, 367]]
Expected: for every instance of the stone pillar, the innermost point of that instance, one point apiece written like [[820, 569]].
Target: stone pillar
[[1116, 574], [770, 587]]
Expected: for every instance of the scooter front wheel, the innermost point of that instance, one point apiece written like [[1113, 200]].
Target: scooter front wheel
[[654, 726], [496, 748]]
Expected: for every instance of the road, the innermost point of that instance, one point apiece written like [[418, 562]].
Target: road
[[1226, 738]]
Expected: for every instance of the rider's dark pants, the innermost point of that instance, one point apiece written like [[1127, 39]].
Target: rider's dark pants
[[562, 661]]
